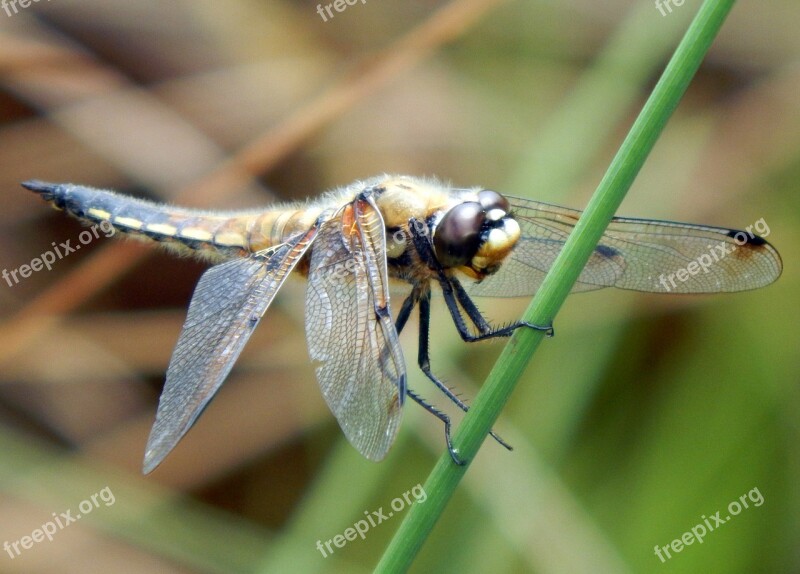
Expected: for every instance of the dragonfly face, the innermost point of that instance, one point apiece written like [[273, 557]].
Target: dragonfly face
[[470, 231], [350, 243], [476, 236]]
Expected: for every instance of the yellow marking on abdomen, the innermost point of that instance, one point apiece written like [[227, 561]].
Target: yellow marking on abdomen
[[229, 239], [98, 213], [161, 228], [196, 233], [128, 222]]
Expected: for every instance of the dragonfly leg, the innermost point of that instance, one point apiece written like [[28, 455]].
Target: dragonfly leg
[[405, 310], [423, 359], [455, 295], [445, 419], [486, 330]]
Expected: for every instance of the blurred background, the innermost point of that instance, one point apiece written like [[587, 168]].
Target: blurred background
[[643, 416]]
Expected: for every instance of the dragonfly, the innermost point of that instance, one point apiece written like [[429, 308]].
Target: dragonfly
[[351, 244]]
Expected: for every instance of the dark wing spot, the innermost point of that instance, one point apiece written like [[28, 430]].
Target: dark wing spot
[[753, 244], [606, 251], [753, 240]]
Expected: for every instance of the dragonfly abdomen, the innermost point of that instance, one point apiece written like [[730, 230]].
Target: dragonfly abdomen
[[215, 236]]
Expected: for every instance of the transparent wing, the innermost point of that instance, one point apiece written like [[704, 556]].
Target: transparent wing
[[350, 332], [227, 304], [637, 254]]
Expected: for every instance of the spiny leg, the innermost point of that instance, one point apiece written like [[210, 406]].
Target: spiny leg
[[444, 418], [486, 330], [454, 294], [405, 310], [423, 360]]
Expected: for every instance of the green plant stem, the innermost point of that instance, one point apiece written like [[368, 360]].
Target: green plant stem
[[619, 177]]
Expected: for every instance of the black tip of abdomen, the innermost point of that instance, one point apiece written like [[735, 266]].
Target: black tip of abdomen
[[61, 195], [50, 192], [47, 190]]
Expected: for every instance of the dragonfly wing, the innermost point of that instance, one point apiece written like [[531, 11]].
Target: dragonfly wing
[[227, 304], [350, 332], [638, 254]]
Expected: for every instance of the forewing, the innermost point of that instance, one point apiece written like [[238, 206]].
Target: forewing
[[349, 330], [635, 254], [227, 304]]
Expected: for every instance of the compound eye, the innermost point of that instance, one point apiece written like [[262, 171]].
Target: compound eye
[[458, 235], [490, 200]]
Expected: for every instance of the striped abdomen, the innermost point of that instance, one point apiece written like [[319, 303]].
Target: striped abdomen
[[217, 236]]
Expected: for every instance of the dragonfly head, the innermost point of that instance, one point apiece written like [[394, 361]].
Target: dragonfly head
[[476, 236]]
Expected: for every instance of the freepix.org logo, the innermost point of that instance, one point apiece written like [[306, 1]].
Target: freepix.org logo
[[665, 6], [715, 254], [373, 519], [9, 5], [46, 259], [709, 524], [338, 5], [59, 522]]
